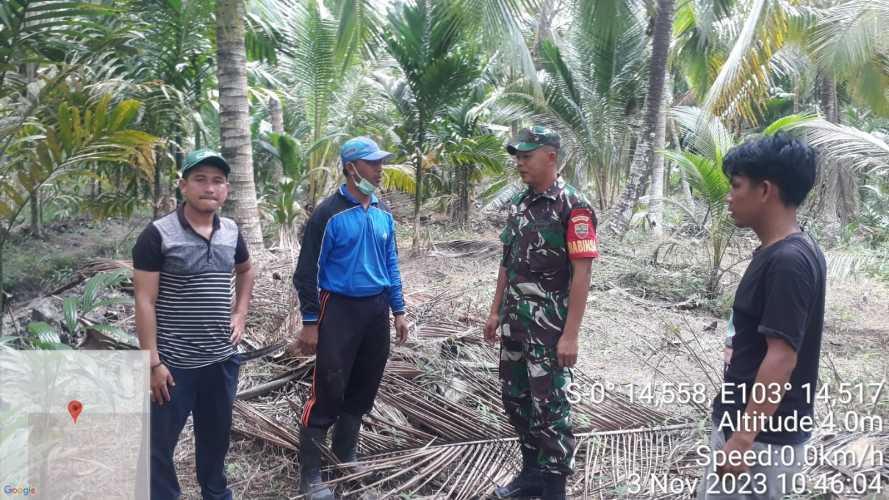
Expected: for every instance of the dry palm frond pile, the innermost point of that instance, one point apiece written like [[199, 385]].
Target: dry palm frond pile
[[438, 429]]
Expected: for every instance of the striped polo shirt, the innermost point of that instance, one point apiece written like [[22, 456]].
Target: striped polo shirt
[[196, 288]]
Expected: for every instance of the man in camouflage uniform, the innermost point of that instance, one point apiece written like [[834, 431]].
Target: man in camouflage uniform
[[548, 246]]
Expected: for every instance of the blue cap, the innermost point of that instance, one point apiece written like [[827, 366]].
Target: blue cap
[[362, 148]]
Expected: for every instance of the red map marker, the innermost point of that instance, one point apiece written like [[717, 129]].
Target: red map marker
[[74, 408]]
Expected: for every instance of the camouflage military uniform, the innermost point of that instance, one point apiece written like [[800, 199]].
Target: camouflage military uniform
[[543, 232]]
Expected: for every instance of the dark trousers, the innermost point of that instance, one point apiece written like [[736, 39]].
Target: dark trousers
[[353, 347], [208, 394]]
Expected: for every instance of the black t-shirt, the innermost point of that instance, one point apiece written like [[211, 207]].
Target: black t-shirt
[[781, 295]]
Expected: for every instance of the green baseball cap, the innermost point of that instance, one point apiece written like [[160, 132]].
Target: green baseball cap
[[529, 139], [205, 157]]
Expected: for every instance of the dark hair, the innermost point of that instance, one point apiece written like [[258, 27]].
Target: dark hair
[[781, 159]]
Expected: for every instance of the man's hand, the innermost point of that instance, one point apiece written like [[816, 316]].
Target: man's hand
[[734, 449], [491, 326], [161, 381], [401, 329], [239, 326], [566, 350], [307, 341]]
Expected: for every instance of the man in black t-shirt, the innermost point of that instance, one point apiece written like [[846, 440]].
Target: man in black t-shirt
[[765, 404]]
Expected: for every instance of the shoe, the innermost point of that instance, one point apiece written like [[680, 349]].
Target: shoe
[[528, 482], [553, 486], [310, 440]]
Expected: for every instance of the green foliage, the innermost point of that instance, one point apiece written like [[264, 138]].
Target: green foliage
[[591, 86], [702, 162], [284, 206], [63, 139], [431, 43], [43, 336]]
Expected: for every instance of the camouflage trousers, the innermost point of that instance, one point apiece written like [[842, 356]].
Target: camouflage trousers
[[536, 402]]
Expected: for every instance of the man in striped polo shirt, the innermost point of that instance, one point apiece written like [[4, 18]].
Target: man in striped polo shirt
[[184, 267], [348, 280]]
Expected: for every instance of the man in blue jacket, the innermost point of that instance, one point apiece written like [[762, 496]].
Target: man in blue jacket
[[347, 279]]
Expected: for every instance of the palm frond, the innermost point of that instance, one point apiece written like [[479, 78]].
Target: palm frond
[[745, 75], [708, 134], [788, 122], [500, 23], [705, 176], [847, 35], [399, 178], [359, 30], [850, 145], [842, 265]]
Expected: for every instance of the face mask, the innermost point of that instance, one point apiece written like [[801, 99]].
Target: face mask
[[364, 185]]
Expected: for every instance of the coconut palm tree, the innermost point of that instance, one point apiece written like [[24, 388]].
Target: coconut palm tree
[[322, 58], [234, 117], [590, 87], [643, 157]]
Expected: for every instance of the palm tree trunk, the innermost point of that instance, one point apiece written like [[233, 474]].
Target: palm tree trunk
[[156, 194], [656, 205], [835, 197], [683, 179], [643, 158], [829, 103], [234, 117], [30, 70], [548, 11], [418, 196], [2, 288], [276, 115], [36, 222], [198, 95]]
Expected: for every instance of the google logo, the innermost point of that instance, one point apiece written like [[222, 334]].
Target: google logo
[[24, 491]]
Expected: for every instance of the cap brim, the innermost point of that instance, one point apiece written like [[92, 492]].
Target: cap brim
[[378, 155], [521, 147], [215, 161]]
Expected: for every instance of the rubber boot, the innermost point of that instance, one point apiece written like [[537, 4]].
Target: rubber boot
[[528, 482], [345, 441], [310, 439], [553, 486], [345, 437]]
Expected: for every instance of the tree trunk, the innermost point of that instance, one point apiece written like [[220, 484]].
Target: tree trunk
[[2, 287], [30, 70], [178, 154], [829, 103], [548, 11], [656, 204], [643, 158], [36, 219], [276, 115], [683, 178], [835, 197], [157, 195], [234, 117], [418, 192], [462, 213]]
